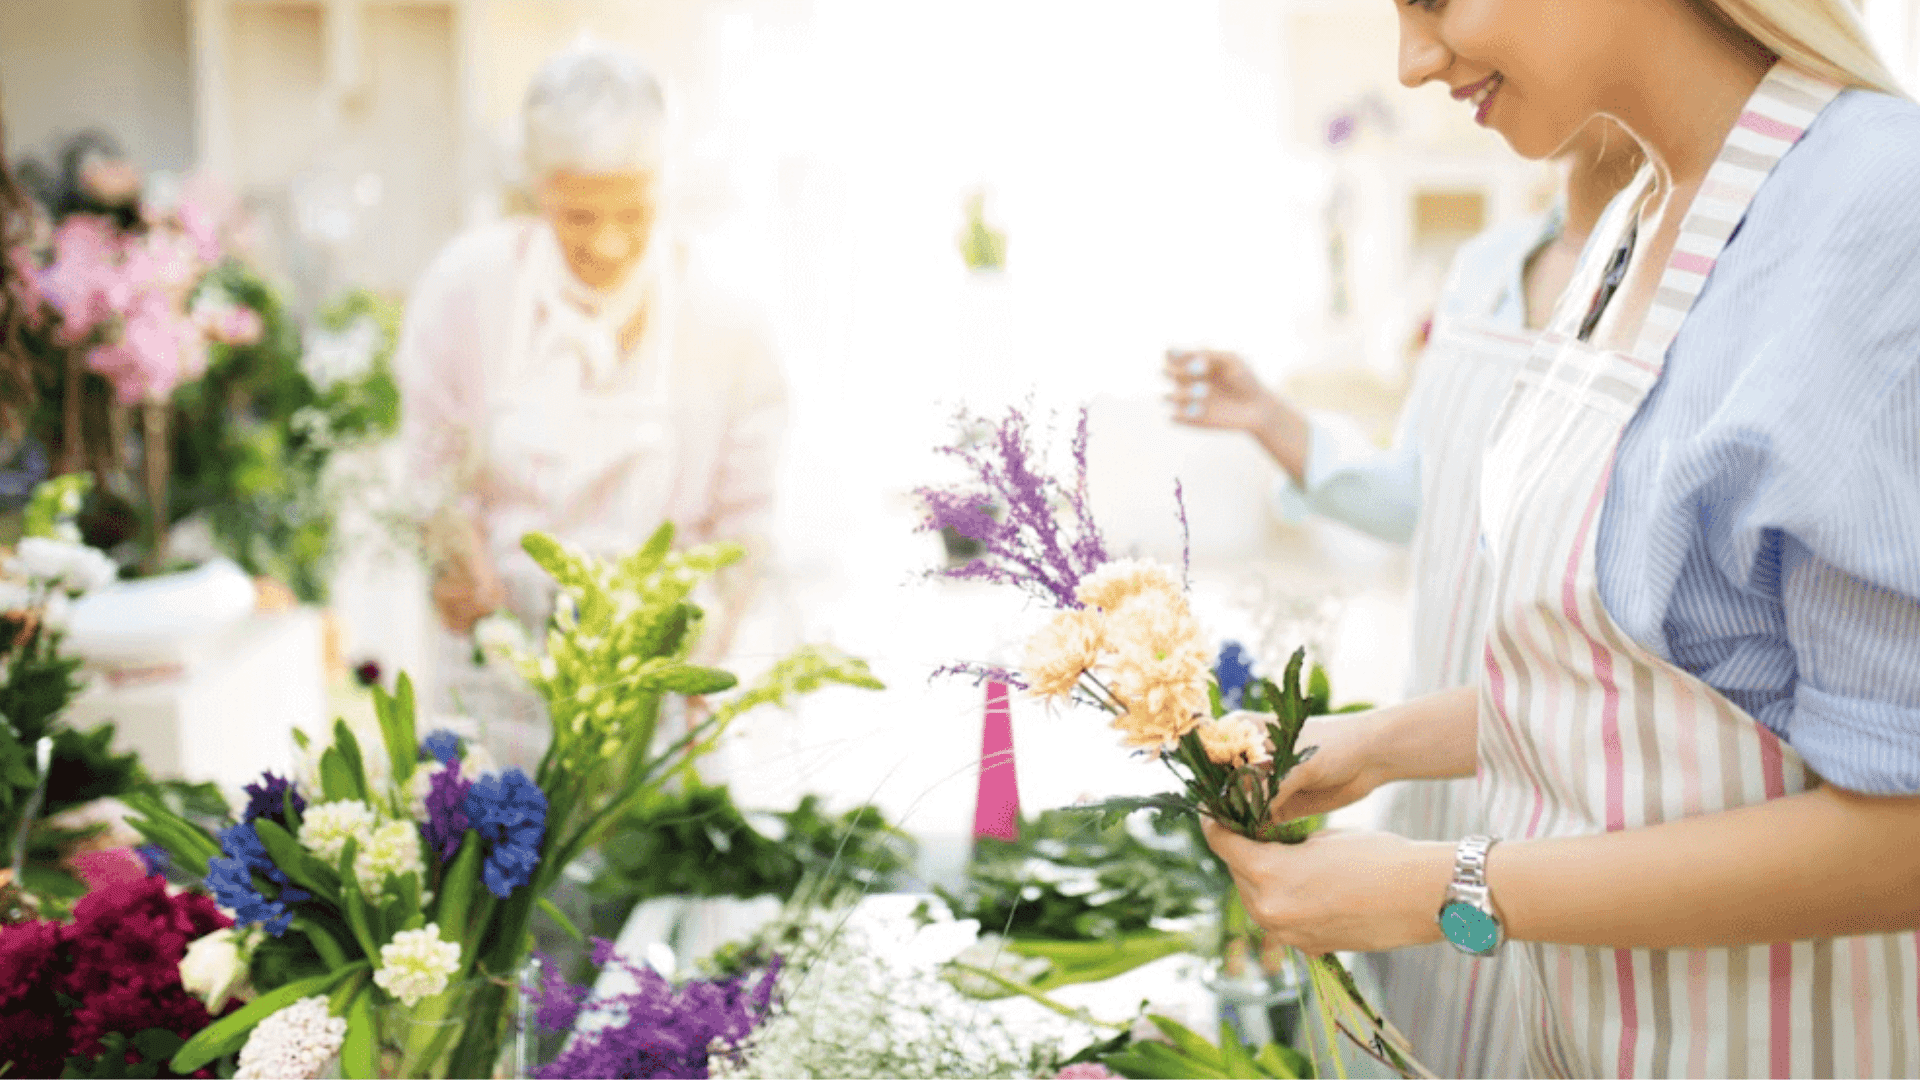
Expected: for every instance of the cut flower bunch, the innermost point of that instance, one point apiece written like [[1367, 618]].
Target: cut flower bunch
[[1125, 641]]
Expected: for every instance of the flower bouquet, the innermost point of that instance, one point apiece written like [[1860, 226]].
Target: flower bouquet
[[394, 895], [1125, 641]]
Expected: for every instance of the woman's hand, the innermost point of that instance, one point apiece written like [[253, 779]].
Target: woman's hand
[[1344, 767], [1340, 890], [1217, 390], [466, 589]]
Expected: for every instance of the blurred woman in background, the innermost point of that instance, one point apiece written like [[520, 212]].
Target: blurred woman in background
[[565, 373], [1425, 492]]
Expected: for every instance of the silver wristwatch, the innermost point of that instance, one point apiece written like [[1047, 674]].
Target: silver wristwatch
[[1466, 917]]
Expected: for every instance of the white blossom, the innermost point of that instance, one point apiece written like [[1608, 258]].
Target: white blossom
[[326, 828], [417, 964], [293, 1044], [215, 968], [391, 850], [63, 564], [864, 996]]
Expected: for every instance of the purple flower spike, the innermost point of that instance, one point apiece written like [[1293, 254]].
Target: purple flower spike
[[447, 820], [1026, 544]]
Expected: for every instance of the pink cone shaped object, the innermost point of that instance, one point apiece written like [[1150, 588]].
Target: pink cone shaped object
[[997, 806]]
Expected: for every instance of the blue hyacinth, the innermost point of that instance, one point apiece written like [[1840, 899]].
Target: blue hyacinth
[[230, 878], [509, 811], [1234, 670], [443, 746]]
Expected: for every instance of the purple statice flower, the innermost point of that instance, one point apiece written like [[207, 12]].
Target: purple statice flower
[[664, 1030], [230, 879], [447, 820], [1026, 545], [557, 1002], [1233, 671], [268, 799], [1340, 129], [1186, 537], [443, 746], [510, 812], [981, 673]]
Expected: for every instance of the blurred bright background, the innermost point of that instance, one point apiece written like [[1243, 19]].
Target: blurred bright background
[[1235, 174]]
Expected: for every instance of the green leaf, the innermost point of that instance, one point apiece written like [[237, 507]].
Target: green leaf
[[1158, 1061], [357, 1053], [546, 551], [336, 780], [157, 1044], [355, 904], [323, 942], [1284, 1062], [560, 918], [688, 679], [349, 747], [405, 712], [1234, 1056], [225, 1035], [456, 889], [296, 862], [1190, 1044], [659, 543]]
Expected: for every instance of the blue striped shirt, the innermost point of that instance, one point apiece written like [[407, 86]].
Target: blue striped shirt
[[1762, 530]]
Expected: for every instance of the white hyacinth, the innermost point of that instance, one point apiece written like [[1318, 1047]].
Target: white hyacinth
[[417, 964], [296, 1042], [326, 828], [392, 849]]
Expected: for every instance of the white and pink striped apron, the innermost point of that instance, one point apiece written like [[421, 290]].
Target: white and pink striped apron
[[1456, 1011], [1583, 731]]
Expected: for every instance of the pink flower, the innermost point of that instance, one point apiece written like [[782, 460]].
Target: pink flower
[[1085, 1070], [84, 283], [159, 348], [203, 209], [227, 322]]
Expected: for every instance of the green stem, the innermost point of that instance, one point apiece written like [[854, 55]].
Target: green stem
[[1069, 1012]]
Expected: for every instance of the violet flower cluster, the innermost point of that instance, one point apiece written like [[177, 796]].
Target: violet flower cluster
[[267, 798], [1015, 511], [660, 1029]]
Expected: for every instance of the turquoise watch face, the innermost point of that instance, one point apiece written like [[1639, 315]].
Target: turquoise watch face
[[1469, 928]]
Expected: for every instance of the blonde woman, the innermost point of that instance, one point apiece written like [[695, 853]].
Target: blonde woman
[[1697, 732]]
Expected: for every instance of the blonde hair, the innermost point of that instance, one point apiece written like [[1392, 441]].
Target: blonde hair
[[1826, 37]]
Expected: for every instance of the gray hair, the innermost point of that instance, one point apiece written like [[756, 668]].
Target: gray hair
[[594, 109]]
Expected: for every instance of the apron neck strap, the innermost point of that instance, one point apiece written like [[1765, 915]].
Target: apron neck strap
[[1779, 112]]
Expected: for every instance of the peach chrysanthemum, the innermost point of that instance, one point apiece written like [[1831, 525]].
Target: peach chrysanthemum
[[1160, 669], [1061, 651], [1238, 738], [1116, 583]]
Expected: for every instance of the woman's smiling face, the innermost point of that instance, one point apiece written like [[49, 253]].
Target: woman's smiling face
[[1532, 70]]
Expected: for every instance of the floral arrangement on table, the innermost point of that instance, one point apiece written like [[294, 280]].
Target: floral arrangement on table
[[172, 371], [388, 899], [119, 313], [1124, 641], [112, 992]]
